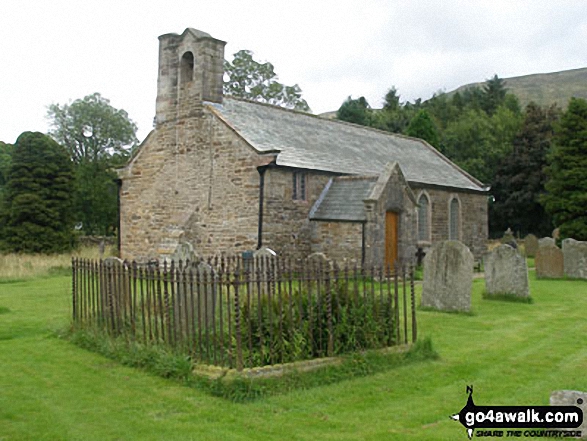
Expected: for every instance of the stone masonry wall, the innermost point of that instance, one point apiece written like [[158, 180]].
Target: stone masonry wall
[[286, 227], [194, 181], [473, 218], [339, 241]]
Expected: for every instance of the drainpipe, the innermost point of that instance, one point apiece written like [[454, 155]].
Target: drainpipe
[[261, 171], [118, 219], [363, 245]]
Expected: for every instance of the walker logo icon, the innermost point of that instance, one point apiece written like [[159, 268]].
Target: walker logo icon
[[475, 417]]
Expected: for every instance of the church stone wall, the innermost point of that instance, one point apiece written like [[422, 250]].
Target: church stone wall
[[194, 181], [473, 224], [286, 226]]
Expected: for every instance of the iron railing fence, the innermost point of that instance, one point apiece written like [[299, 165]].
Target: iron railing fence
[[238, 312]]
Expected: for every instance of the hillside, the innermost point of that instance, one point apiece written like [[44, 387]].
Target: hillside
[[546, 88]]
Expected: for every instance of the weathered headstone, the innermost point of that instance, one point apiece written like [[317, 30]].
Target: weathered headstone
[[556, 233], [185, 253], [113, 290], [531, 245], [262, 262], [508, 238], [196, 297], [264, 252], [575, 258], [572, 398], [318, 259], [546, 241], [506, 272], [448, 277], [549, 259]]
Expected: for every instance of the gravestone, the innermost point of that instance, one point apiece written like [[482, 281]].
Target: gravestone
[[196, 297], [185, 253], [546, 241], [264, 252], [575, 258], [508, 238], [556, 233], [317, 259], [506, 272], [572, 398], [531, 245], [262, 262], [448, 277], [114, 290], [549, 259]]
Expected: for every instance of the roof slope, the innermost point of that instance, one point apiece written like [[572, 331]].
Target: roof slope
[[342, 199], [307, 141]]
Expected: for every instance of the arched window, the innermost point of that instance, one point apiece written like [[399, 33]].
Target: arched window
[[454, 218], [423, 216], [187, 68]]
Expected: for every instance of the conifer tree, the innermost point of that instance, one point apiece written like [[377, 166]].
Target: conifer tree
[[520, 178], [566, 197], [37, 211]]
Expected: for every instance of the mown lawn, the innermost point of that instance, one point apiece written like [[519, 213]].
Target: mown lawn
[[513, 353]]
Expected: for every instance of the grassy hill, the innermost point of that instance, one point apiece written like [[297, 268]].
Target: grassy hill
[[546, 88]]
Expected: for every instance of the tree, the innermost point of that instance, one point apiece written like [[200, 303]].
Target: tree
[[249, 79], [566, 185], [91, 129], [37, 212], [494, 93], [422, 126], [391, 100], [355, 111], [520, 178], [98, 138]]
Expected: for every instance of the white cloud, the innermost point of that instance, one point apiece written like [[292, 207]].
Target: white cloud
[[62, 50]]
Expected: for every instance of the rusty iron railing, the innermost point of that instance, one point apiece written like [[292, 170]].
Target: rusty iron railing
[[240, 313]]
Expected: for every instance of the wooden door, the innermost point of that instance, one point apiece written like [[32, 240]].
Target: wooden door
[[391, 238]]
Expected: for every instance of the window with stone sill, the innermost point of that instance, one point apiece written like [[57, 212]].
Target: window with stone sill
[[299, 186]]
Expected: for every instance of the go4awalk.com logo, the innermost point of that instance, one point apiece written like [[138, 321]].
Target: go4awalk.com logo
[[519, 421]]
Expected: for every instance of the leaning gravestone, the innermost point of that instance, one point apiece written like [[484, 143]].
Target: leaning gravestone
[[448, 277], [572, 398], [575, 258], [506, 272], [531, 245], [549, 259]]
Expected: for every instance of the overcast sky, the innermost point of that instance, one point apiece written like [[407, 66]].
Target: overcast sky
[[57, 51]]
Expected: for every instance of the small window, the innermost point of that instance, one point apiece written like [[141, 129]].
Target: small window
[[299, 186], [187, 68], [453, 232], [423, 213]]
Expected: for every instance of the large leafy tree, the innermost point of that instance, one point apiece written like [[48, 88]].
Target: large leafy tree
[[566, 186], [520, 178], [250, 79], [37, 215], [91, 129], [98, 138]]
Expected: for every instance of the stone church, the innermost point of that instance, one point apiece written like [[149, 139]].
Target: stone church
[[229, 176]]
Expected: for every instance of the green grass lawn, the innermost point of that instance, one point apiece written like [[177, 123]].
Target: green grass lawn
[[513, 354]]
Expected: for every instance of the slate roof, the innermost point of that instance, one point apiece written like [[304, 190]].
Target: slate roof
[[342, 200], [307, 141]]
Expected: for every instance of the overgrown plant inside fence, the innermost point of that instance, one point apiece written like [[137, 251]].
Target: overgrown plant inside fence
[[245, 313]]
